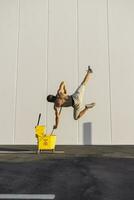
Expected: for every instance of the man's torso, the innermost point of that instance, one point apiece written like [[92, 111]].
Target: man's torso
[[67, 100]]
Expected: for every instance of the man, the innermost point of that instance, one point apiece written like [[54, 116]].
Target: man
[[62, 99]]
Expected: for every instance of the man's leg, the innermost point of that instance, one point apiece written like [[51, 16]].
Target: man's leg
[[87, 76], [78, 95], [85, 109]]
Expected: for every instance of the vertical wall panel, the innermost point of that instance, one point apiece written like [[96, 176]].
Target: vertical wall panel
[[8, 59], [31, 68], [62, 64], [93, 50], [38, 51], [121, 29]]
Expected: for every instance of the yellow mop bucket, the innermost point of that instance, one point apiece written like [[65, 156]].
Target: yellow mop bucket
[[40, 131], [45, 142]]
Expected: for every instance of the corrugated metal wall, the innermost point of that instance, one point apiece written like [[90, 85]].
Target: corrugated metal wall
[[43, 42]]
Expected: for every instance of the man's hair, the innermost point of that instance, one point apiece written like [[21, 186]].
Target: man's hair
[[51, 98]]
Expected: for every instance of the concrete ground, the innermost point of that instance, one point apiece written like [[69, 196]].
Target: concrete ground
[[81, 172]]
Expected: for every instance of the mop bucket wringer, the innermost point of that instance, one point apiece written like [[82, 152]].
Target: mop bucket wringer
[[44, 141]]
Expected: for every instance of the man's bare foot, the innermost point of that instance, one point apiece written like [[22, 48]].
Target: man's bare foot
[[89, 69], [91, 105]]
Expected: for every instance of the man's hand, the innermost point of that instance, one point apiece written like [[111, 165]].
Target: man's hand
[[63, 83], [54, 127]]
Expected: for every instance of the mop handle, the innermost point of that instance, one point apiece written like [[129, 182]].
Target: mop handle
[[59, 114], [60, 110], [39, 119], [52, 131]]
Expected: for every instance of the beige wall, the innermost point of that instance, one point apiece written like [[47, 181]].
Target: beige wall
[[121, 43], [46, 41]]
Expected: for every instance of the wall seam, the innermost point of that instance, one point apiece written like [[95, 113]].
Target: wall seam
[[16, 76], [77, 33], [42, 106], [109, 64], [46, 118]]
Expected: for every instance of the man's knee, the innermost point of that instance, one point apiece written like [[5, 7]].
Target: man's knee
[[75, 118], [76, 114]]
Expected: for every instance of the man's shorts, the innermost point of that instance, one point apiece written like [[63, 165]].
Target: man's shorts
[[78, 100]]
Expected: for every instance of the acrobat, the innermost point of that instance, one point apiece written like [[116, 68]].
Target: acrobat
[[62, 99]]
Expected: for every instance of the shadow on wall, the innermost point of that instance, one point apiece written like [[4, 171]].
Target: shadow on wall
[[87, 133]]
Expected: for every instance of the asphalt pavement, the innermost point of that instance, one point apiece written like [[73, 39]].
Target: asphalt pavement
[[81, 172]]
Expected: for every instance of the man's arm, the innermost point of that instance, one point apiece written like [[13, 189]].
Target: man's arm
[[65, 89], [62, 88], [57, 115]]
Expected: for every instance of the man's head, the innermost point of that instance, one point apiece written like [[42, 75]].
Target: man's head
[[57, 100], [51, 98]]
